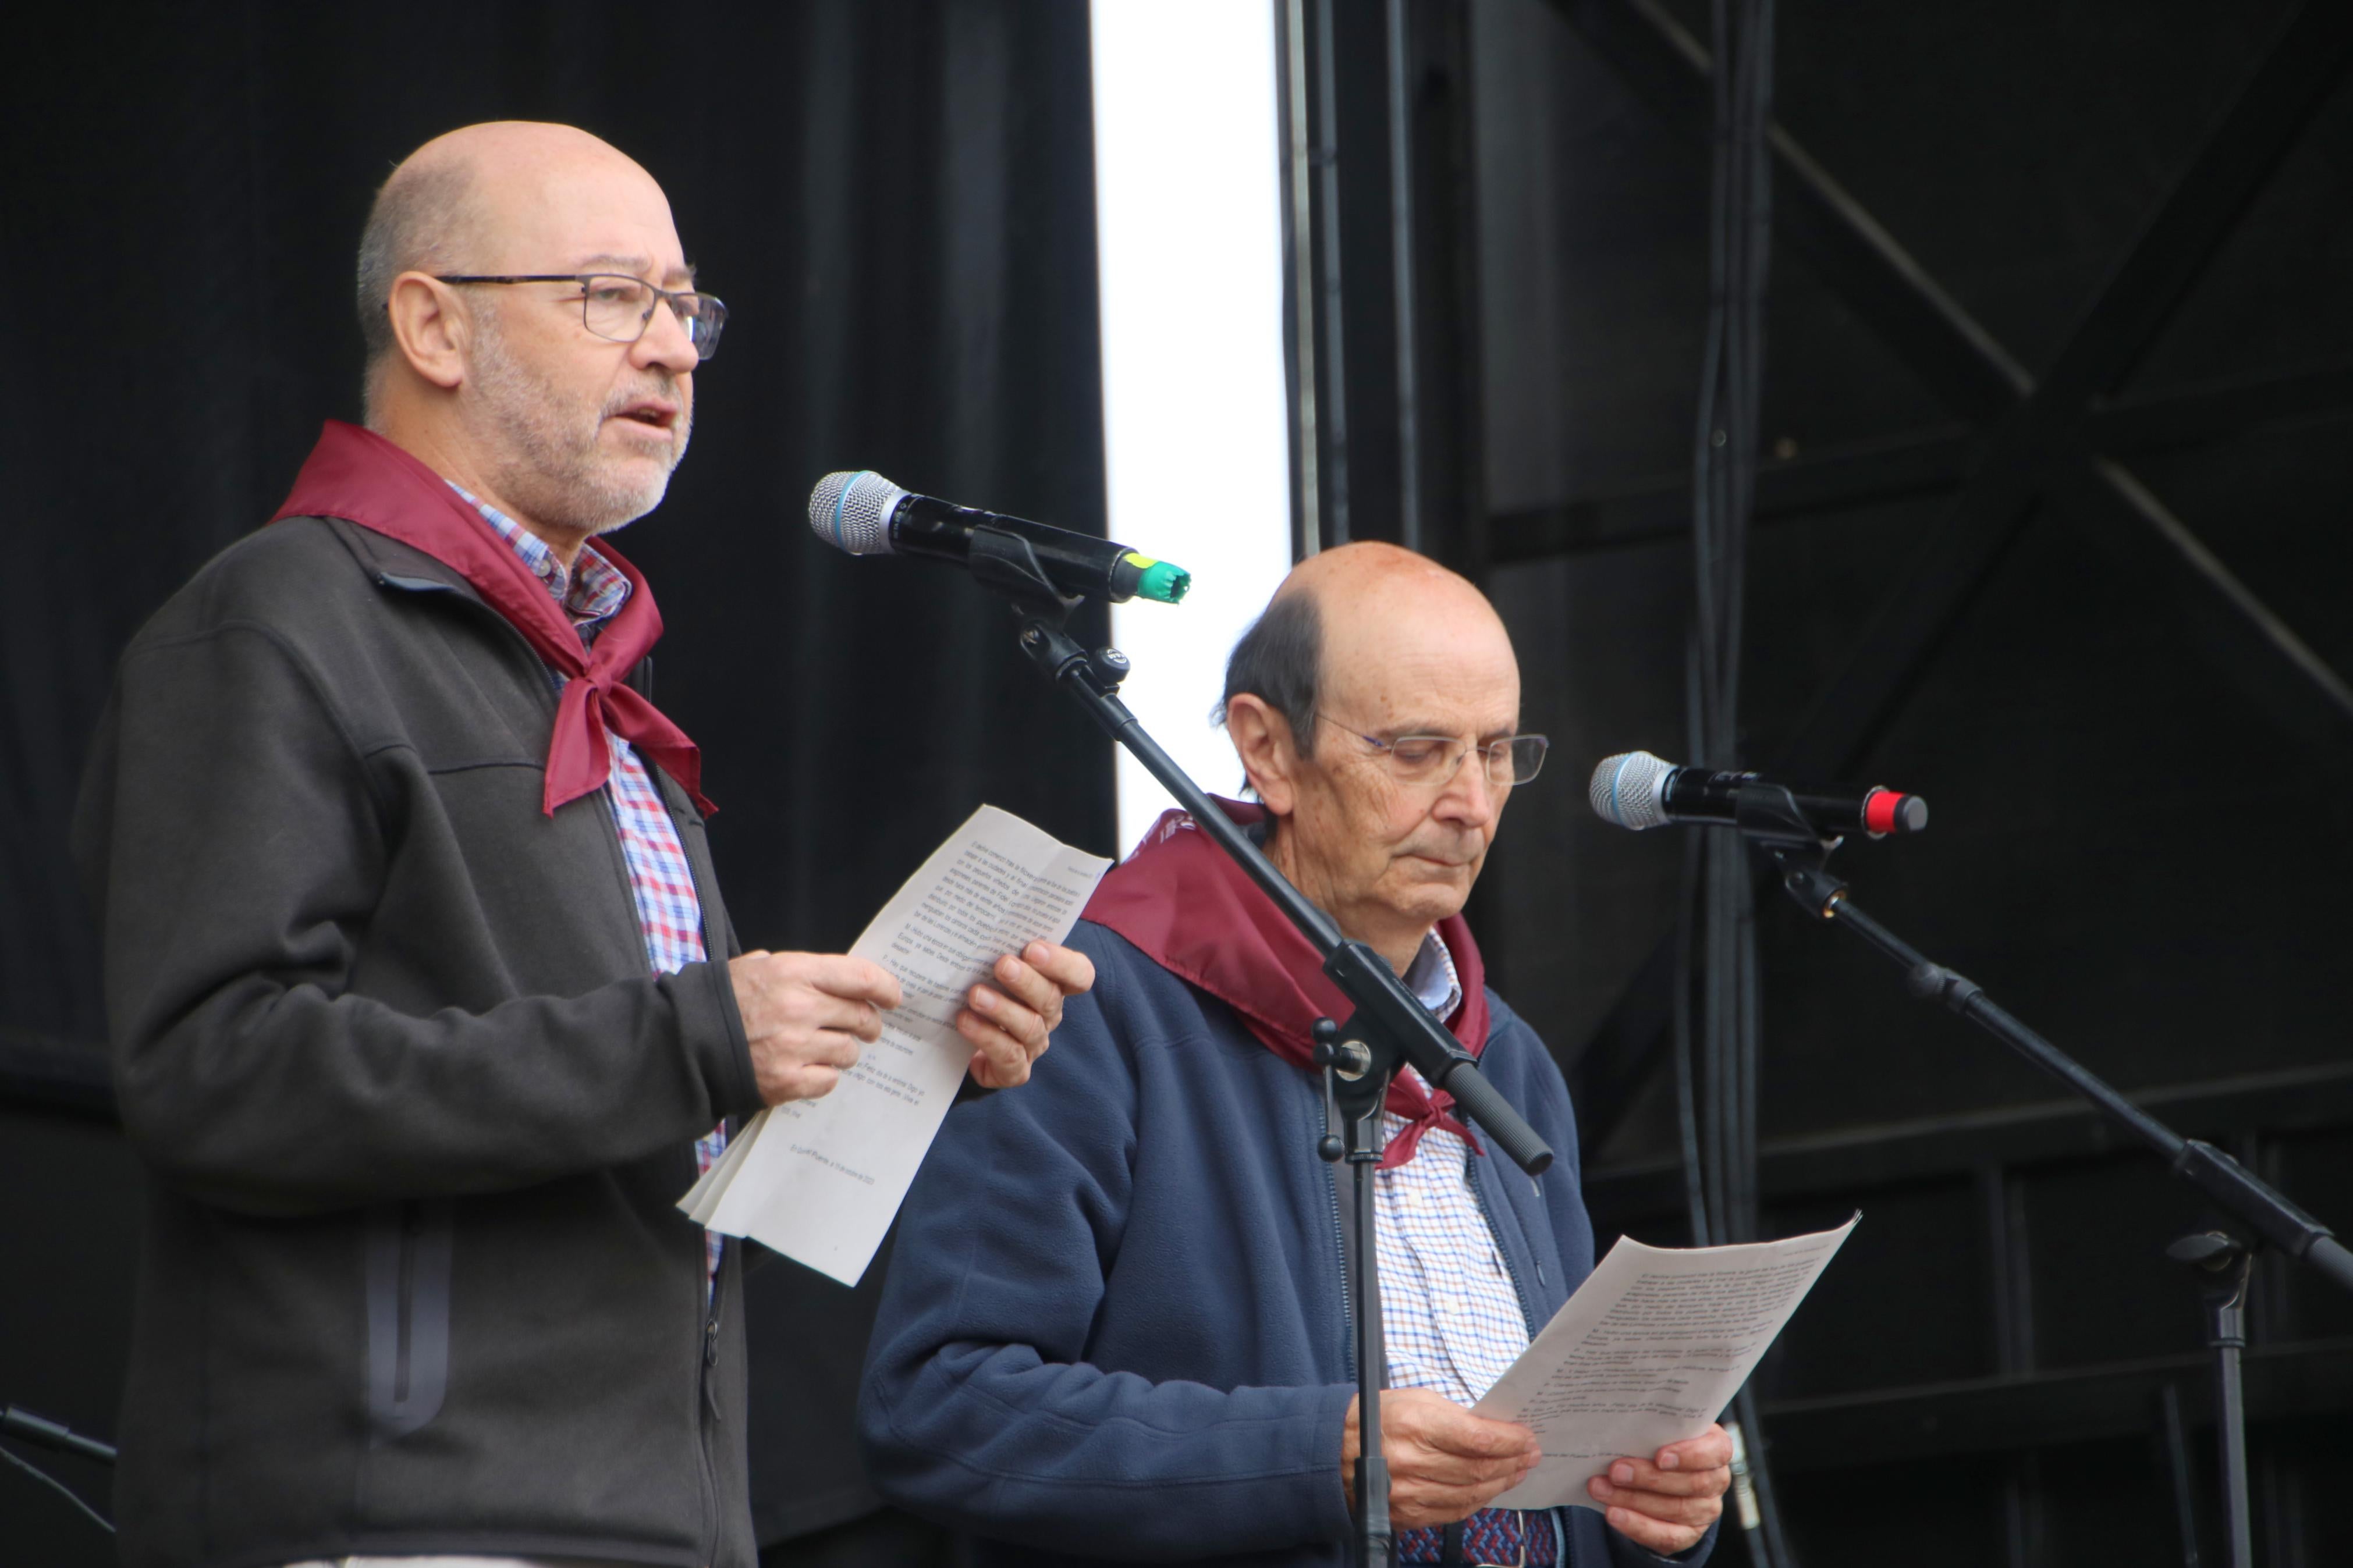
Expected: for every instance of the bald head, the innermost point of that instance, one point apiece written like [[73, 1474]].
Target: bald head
[[494, 357], [471, 197], [1354, 704], [1340, 608]]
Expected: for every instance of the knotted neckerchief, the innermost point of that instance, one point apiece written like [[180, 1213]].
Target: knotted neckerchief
[[1190, 909], [360, 476]]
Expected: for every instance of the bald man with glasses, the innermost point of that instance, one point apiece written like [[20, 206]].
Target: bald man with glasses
[[1115, 1327], [425, 1007]]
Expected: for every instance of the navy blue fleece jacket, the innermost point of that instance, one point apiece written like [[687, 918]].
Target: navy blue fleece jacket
[[1115, 1327]]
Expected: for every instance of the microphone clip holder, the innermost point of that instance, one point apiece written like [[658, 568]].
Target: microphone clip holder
[[1766, 815], [1006, 563]]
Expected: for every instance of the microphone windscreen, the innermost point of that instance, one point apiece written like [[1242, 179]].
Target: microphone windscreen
[[1629, 789], [852, 511]]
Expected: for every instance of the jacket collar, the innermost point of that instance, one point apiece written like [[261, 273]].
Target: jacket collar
[[400, 567]]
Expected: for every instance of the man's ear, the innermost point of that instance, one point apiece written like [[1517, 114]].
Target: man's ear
[[429, 328], [1264, 741]]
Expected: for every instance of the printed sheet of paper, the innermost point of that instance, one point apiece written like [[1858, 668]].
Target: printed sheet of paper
[[1650, 1349], [820, 1180]]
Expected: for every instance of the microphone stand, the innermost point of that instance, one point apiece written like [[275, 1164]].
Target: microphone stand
[[17, 1422], [1768, 816], [1359, 1055]]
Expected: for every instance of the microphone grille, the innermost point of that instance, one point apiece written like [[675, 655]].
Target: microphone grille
[[852, 511], [1627, 789]]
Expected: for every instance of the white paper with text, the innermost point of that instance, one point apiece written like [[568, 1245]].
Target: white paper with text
[[820, 1180], [1648, 1352]]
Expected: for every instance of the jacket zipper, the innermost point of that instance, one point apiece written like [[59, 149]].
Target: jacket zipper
[[707, 1407], [1339, 1236], [1347, 1303], [706, 1401], [1471, 1175], [404, 1364]]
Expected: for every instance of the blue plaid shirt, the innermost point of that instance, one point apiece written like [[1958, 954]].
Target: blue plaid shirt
[[670, 911]]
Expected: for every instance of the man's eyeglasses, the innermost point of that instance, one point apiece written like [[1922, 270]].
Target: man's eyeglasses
[[1431, 761], [617, 307]]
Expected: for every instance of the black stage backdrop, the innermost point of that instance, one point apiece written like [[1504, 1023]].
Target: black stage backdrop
[[2142, 837], [896, 200]]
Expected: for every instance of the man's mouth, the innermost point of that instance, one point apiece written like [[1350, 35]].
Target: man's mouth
[[1449, 862], [651, 412]]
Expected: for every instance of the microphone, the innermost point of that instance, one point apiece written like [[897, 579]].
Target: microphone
[[866, 514], [1637, 790]]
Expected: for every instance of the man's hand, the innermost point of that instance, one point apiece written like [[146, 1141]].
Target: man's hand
[[805, 1015], [1667, 1501], [1444, 1463], [1008, 1024]]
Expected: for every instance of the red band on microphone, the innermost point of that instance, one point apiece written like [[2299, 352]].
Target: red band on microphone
[[1879, 809]]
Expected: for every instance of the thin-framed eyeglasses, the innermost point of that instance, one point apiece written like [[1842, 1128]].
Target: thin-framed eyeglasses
[[617, 307], [1432, 761]]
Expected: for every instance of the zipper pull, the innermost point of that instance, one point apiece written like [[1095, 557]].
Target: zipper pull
[[711, 1342]]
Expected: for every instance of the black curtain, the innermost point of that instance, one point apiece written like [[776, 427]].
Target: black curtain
[[896, 200]]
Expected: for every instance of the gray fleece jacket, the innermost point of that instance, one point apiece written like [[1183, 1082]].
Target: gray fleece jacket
[[415, 1114]]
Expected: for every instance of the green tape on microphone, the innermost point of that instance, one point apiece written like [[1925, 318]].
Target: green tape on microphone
[[1163, 580]]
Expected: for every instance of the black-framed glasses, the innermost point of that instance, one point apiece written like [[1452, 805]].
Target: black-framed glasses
[[617, 307], [1431, 761]]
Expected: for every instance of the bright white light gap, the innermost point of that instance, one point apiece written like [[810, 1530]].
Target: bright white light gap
[[1189, 242]]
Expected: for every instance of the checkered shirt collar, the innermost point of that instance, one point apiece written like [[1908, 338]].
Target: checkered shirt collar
[[1433, 979], [592, 592]]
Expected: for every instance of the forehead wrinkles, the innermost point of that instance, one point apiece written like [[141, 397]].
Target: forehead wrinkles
[[1453, 671]]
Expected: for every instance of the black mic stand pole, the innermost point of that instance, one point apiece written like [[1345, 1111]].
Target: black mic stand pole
[[1359, 1055], [1768, 816], [16, 1421]]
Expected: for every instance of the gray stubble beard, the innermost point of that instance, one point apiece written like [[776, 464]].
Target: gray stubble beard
[[552, 469]]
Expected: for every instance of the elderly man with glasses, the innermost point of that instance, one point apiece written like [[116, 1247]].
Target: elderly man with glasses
[[425, 1006], [1116, 1328]]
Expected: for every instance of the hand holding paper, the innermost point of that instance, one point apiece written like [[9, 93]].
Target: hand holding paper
[[1652, 1347], [1008, 1024], [1444, 1462], [820, 1179], [806, 1016], [1668, 1501]]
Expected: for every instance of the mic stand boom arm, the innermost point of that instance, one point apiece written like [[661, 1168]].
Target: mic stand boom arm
[[1771, 819], [1358, 1056], [1768, 816]]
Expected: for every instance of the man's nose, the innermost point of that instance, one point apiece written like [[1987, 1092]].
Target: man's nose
[[1470, 795], [665, 343]]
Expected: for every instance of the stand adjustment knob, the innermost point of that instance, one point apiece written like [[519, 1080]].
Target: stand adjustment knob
[[1108, 667], [1328, 1148], [2211, 1251]]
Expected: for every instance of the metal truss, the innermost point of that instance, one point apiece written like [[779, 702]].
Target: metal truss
[[2019, 438], [1923, 462]]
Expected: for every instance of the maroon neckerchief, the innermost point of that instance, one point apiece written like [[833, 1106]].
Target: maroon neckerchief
[[360, 476], [1190, 909]]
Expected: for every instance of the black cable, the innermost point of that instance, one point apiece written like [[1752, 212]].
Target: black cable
[[1704, 935], [1718, 1014], [73, 1496], [1686, 1098]]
